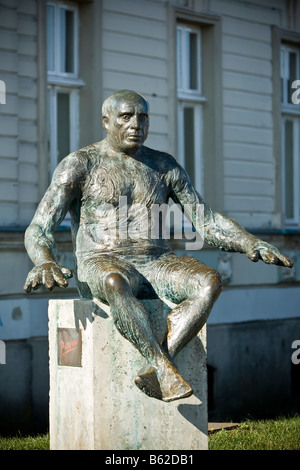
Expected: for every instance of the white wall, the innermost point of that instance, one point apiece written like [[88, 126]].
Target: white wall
[[18, 117]]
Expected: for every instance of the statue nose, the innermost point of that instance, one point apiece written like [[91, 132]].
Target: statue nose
[[135, 122]]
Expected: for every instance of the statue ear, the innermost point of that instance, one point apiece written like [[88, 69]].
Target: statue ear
[[105, 123]]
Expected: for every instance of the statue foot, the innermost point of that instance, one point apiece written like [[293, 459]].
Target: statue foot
[[165, 384], [148, 383]]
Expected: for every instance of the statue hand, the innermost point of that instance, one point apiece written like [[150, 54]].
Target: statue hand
[[49, 274], [268, 253]]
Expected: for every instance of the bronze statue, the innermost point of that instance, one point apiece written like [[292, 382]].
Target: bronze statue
[[120, 269]]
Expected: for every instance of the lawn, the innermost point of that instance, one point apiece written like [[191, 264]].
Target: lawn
[[278, 434], [19, 442]]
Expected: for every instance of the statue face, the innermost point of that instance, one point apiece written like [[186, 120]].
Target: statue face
[[127, 125]]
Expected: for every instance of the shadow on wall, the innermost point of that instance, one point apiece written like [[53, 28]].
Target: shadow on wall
[[251, 372], [24, 387]]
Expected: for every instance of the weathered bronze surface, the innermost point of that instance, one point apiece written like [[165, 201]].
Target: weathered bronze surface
[[109, 189]]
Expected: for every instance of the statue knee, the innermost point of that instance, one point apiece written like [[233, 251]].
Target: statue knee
[[115, 282], [214, 284]]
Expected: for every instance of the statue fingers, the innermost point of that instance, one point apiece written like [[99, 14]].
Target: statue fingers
[[253, 255], [275, 257], [28, 284], [49, 275], [284, 261], [33, 280], [59, 277], [288, 263], [267, 256], [66, 272], [37, 280], [48, 280]]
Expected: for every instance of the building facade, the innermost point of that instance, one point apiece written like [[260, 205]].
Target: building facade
[[222, 78]]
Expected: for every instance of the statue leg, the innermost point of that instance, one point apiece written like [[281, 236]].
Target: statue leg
[[195, 288], [117, 282], [186, 320]]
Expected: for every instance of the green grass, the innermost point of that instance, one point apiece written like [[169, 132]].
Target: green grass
[[277, 434], [19, 442]]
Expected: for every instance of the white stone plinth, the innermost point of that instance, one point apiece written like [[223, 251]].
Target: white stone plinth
[[94, 404]]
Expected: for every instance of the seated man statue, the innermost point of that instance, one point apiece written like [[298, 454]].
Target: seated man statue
[[114, 268]]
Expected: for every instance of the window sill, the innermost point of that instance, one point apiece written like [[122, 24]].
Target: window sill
[[192, 97], [65, 81], [293, 109]]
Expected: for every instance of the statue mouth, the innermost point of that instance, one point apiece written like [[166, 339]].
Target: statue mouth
[[135, 137]]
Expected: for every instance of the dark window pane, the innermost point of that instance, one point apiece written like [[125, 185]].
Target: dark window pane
[[67, 41], [70, 42], [194, 61], [282, 90], [292, 74], [189, 142], [63, 125], [289, 169]]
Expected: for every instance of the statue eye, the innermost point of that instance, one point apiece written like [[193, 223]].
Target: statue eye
[[126, 117]]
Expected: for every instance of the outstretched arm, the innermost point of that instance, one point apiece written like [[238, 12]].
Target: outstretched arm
[[39, 236], [219, 230], [226, 234]]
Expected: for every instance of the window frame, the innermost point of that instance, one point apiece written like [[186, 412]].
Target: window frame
[[291, 112], [281, 37], [289, 106], [63, 82], [56, 72], [188, 97], [211, 30], [90, 15], [292, 221], [73, 93], [183, 63], [198, 144]]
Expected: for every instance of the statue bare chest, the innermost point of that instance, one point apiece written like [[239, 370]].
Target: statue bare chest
[[133, 180]]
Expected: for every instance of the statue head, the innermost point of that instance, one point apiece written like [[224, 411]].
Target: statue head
[[125, 118]]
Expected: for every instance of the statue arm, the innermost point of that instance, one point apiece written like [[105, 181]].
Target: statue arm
[[219, 230], [39, 236], [225, 233]]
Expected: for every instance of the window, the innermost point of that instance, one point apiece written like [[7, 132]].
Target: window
[[63, 121], [62, 37], [63, 80], [290, 72], [190, 102], [188, 60]]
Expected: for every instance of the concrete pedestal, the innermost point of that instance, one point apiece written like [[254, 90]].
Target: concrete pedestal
[[94, 403]]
